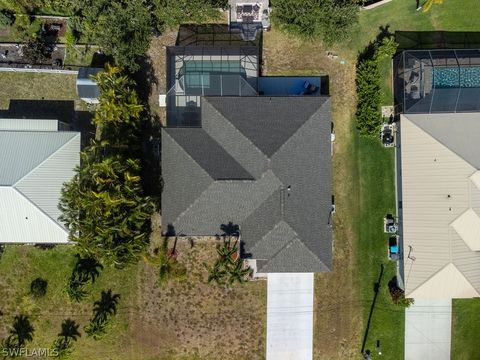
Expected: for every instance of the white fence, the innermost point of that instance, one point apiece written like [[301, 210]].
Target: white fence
[[30, 70]]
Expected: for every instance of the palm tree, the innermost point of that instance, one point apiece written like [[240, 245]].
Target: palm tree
[[86, 269], [238, 272], [38, 287], [21, 331], [119, 103], [69, 330], [106, 306], [226, 252], [216, 273], [75, 289], [95, 329]]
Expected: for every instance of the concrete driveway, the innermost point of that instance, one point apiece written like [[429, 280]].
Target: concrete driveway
[[289, 316], [428, 326]]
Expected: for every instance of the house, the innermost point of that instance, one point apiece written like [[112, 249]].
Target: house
[[36, 158], [87, 88], [263, 162], [438, 173]]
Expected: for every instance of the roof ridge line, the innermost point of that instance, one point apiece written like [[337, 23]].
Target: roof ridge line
[[429, 278], [188, 155], [441, 143], [268, 232], [303, 125], [218, 181], [47, 158], [437, 272], [290, 243], [235, 128], [38, 208]]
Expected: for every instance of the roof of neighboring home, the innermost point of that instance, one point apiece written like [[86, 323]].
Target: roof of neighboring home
[[33, 167], [262, 163], [441, 204]]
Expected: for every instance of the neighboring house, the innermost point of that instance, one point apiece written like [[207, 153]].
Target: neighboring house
[[87, 88], [438, 168], [263, 162], [35, 160], [249, 16]]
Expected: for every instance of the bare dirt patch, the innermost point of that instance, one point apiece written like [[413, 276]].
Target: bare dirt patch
[[189, 317]]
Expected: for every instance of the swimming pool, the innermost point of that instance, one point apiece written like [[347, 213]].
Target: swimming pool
[[450, 77]]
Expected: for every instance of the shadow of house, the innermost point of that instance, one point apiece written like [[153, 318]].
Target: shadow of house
[[61, 110]]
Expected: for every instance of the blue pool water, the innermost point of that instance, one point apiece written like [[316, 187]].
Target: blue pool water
[[449, 77]]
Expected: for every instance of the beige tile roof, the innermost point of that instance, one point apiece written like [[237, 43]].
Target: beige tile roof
[[440, 200]]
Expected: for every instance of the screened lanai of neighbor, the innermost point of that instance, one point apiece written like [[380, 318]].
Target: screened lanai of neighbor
[[433, 81]]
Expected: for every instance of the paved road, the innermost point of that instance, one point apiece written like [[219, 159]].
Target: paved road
[[290, 316], [428, 326]]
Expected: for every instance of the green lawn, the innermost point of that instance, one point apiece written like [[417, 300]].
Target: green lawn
[[376, 183], [465, 329], [377, 198], [21, 264], [36, 86], [79, 55]]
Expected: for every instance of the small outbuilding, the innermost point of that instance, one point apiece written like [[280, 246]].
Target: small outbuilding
[[87, 88]]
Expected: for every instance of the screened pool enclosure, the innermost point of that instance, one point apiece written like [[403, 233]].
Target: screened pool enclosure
[[197, 71], [431, 81]]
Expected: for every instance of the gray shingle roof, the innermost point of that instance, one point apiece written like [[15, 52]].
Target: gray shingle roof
[[254, 118], [283, 144], [209, 154]]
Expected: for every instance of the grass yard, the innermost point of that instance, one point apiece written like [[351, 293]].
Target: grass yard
[[466, 327], [184, 319], [36, 86], [79, 55], [377, 197]]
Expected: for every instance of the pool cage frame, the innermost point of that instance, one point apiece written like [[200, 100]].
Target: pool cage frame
[[417, 76], [214, 65]]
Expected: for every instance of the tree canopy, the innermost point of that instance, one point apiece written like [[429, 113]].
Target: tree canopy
[[170, 13], [105, 210], [103, 206], [330, 20]]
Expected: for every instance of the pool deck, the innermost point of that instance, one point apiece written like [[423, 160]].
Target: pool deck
[[287, 85]]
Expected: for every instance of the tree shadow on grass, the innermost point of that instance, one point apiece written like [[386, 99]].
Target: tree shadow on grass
[[20, 333], [86, 269], [106, 306], [368, 53], [69, 330], [376, 290]]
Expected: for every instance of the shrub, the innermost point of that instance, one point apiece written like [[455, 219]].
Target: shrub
[[398, 294], [36, 50], [7, 18], [38, 287], [368, 113], [75, 290], [386, 49], [329, 19]]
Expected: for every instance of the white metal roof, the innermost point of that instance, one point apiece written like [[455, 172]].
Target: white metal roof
[[28, 125], [467, 226], [23, 222], [33, 168], [437, 190]]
